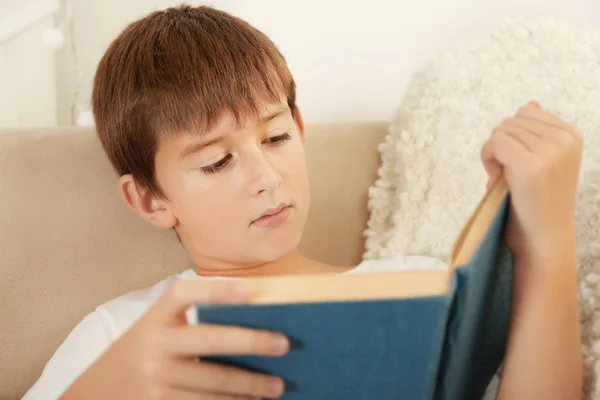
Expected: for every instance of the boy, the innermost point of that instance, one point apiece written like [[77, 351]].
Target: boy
[[196, 111]]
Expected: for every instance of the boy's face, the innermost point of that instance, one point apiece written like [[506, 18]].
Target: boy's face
[[218, 186]]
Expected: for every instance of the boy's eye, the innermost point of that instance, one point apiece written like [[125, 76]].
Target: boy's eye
[[219, 165], [222, 163], [279, 139]]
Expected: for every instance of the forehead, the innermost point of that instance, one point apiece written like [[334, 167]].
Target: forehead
[[228, 121], [181, 144]]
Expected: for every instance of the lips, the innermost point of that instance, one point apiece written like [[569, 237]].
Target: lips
[[273, 211], [273, 217]]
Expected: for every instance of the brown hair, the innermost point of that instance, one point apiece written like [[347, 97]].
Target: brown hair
[[175, 71]]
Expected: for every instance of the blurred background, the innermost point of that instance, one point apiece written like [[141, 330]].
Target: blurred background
[[351, 59]]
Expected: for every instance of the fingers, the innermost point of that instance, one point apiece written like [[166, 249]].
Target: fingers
[[206, 339], [558, 136], [181, 294], [542, 134], [535, 143], [503, 149], [535, 112], [491, 165], [211, 377], [185, 394]]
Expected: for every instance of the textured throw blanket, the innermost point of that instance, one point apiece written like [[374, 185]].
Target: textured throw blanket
[[431, 175]]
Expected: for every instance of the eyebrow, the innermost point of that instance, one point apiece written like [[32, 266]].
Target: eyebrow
[[209, 139]]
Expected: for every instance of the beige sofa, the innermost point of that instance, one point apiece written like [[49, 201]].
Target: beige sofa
[[68, 243]]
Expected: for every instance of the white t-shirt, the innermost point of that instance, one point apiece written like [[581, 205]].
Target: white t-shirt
[[96, 331]]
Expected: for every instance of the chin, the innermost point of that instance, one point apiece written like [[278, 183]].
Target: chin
[[278, 245], [272, 252], [275, 243]]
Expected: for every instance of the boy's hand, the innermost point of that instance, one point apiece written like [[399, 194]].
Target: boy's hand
[[540, 156], [158, 357]]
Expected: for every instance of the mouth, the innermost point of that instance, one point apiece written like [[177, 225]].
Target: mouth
[[273, 216]]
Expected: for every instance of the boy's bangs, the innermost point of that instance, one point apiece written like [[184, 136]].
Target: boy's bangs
[[179, 70], [191, 81], [188, 107]]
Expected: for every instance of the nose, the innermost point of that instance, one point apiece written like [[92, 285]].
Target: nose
[[263, 176]]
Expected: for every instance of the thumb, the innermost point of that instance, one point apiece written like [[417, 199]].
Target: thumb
[[491, 165]]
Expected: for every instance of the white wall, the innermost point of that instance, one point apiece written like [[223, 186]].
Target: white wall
[[351, 59], [27, 71]]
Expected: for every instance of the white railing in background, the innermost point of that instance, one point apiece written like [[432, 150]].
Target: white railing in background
[[18, 16], [27, 66]]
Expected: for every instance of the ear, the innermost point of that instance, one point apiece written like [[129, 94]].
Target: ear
[[144, 204], [300, 123]]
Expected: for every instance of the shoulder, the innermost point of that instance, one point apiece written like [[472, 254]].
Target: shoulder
[[92, 336], [122, 312], [400, 262]]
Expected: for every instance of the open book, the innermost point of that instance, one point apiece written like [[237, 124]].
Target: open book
[[389, 335]]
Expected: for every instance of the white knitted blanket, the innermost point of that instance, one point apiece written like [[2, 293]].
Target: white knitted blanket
[[431, 175]]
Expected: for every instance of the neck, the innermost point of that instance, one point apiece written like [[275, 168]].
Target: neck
[[293, 263]]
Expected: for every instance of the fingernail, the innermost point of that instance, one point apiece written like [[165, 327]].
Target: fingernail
[[281, 344], [535, 103], [276, 388]]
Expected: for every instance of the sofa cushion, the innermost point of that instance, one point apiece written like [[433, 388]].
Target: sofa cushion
[[431, 175], [69, 243]]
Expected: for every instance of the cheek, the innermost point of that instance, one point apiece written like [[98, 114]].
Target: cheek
[[203, 202], [296, 175], [297, 165]]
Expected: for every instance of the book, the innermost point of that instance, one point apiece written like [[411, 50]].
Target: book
[[416, 335]]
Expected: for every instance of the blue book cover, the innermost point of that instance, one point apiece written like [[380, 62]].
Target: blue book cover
[[445, 344]]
